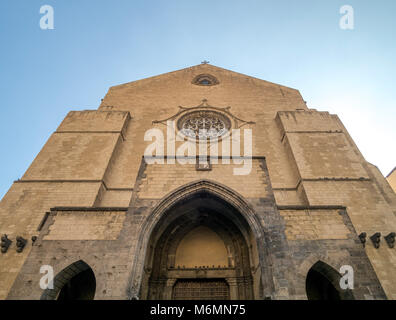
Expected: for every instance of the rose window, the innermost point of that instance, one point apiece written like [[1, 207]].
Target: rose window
[[204, 124]]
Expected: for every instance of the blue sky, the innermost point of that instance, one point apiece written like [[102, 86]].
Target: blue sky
[[97, 44]]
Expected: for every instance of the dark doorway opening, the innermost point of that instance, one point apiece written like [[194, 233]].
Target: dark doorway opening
[[320, 288], [323, 283], [81, 287], [75, 282]]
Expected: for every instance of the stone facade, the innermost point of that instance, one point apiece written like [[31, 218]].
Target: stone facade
[[94, 203], [391, 177]]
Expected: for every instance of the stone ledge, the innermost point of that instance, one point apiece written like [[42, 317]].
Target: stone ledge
[[318, 207], [89, 209]]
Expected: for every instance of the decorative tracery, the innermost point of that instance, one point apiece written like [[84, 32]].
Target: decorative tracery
[[204, 124], [204, 121]]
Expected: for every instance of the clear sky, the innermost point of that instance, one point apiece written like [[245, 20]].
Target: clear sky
[[97, 44]]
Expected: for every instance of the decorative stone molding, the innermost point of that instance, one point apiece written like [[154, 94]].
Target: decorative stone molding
[[224, 112], [376, 239], [362, 238], [214, 188], [390, 239], [5, 243], [20, 243]]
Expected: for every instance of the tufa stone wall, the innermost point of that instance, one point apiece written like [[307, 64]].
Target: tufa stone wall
[[93, 160]]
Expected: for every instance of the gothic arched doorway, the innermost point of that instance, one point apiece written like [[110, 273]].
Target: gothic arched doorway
[[323, 283], [75, 282], [201, 248]]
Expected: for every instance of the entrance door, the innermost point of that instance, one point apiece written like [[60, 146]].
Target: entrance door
[[201, 289]]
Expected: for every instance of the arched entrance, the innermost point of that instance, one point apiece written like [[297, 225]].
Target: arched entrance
[[75, 282], [323, 283], [201, 248]]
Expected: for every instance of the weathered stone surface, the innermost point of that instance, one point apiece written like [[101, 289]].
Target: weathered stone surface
[[309, 195]]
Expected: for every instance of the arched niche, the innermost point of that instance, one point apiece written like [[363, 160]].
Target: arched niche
[[201, 247]]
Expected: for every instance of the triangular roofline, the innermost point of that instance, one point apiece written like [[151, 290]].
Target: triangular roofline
[[198, 65]]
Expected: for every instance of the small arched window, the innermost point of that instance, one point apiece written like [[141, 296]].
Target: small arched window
[[205, 80]]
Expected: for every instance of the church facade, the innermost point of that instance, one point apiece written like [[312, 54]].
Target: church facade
[[201, 183]]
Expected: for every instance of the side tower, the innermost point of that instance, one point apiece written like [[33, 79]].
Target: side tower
[[271, 206]]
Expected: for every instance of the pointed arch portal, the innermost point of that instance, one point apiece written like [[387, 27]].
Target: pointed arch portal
[[201, 247], [323, 283]]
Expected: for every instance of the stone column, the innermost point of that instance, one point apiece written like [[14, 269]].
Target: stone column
[[233, 285], [167, 295]]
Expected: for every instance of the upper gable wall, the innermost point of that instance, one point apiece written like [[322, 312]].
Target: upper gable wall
[[161, 95], [159, 98]]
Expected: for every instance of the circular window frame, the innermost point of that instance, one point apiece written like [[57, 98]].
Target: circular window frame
[[226, 120]]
